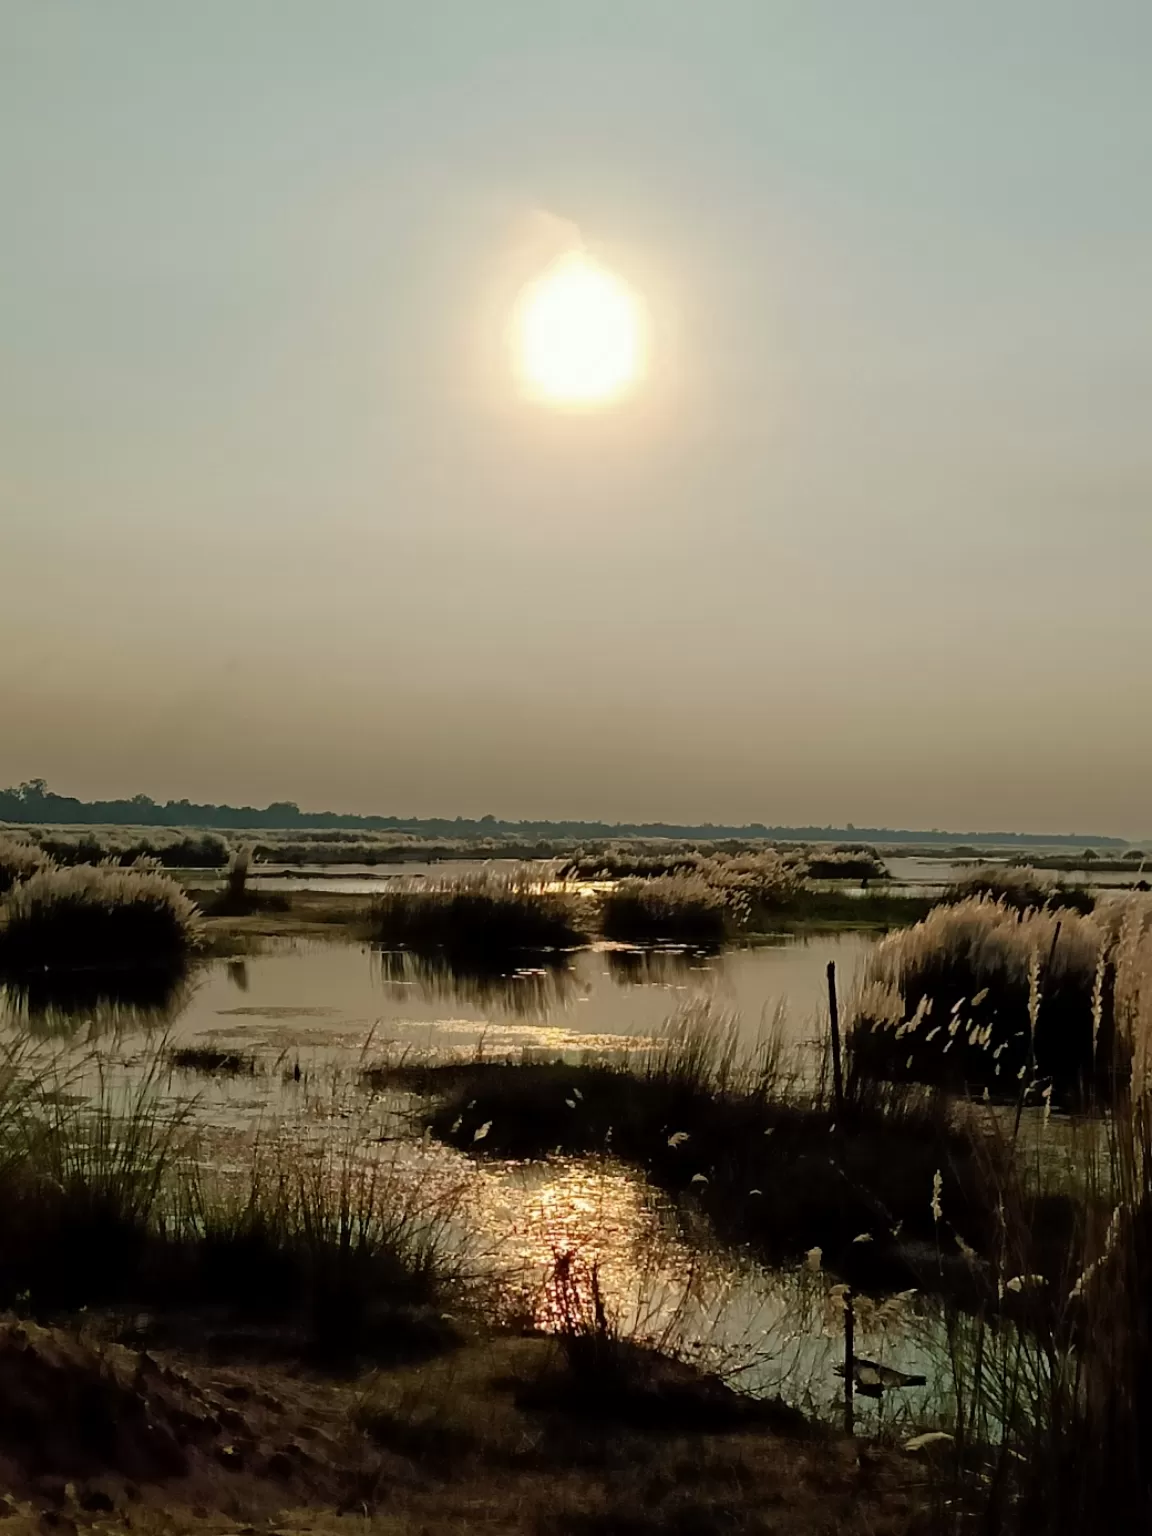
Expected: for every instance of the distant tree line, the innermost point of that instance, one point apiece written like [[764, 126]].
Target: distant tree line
[[33, 802]]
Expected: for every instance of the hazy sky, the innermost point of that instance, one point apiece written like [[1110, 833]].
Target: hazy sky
[[873, 543]]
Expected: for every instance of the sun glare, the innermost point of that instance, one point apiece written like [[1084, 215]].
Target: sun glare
[[577, 335]]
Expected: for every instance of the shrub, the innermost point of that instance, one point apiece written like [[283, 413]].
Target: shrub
[[18, 860], [97, 917], [482, 915]]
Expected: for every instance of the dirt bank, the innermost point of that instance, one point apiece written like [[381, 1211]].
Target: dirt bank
[[106, 1436]]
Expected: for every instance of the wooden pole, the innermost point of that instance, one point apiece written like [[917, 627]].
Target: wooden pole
[[849, 1365], [837, 1061]]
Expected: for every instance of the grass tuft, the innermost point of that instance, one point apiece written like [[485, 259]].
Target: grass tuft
[[485, 915], [680, 908], [97, 918]]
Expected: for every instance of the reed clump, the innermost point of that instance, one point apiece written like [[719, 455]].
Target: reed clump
[[97, 917], [721, 898], [861, 864], [684, 908], [483, 915]]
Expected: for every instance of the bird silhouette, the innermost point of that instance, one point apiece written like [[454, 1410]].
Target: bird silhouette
[[873, 1380]]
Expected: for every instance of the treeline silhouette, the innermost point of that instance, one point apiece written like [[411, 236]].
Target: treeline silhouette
[[33, 802]]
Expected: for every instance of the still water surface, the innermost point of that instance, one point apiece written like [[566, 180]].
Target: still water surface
[[326, 996]]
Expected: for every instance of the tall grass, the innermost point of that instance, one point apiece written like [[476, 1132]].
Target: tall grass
[[328, 1234], [19, 859], [97, 918], [720, 899], [484, 915], [1052, 1379], [546, 981], [980, 994]]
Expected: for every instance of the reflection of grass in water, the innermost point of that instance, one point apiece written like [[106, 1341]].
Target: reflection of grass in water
[[543, 982], [62, 1002], [655, 967]]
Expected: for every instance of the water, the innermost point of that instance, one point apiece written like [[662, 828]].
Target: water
[[312, 1013], [329, 998], [325, 996]]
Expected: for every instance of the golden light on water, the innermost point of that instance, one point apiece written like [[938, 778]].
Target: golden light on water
[[578, 335]]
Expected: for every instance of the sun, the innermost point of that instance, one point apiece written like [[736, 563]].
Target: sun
[[577, 335]]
